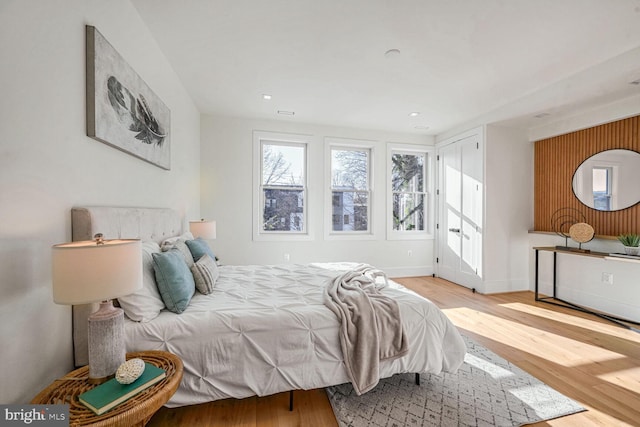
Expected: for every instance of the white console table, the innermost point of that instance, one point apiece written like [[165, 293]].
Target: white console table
[[553, 299]]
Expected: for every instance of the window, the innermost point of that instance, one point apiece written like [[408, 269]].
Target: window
[[602, 178], [409, 192], [350, 187], [281, 187]]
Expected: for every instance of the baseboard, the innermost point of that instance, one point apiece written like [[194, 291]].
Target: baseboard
[[501, 286], [408, 271]]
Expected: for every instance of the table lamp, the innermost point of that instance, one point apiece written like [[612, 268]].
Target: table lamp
[[98, 271], [203, 229]]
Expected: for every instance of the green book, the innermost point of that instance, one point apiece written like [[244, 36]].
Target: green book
[[110, 394]]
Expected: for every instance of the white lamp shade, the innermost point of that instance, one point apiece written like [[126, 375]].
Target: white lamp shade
[[85, 272], [203, 229]]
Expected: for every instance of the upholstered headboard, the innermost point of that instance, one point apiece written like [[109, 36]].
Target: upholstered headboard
[[155, 224], [146, 224]]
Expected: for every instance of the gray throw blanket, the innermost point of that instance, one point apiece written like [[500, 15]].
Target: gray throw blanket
[[370, 325]]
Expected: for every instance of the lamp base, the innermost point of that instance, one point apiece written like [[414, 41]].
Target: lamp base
[[106, 342]]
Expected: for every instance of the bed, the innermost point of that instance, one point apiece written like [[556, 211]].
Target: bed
[[263, 329]]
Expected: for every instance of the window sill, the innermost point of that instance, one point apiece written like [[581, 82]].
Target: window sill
[[281, 237], [409, 236], [350, 236]]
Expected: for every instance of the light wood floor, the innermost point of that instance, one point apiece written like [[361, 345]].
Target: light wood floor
[[592, 361]]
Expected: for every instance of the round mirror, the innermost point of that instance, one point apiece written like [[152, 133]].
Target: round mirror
[[609, 180]]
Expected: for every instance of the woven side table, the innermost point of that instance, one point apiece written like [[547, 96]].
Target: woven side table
[[136, 411]]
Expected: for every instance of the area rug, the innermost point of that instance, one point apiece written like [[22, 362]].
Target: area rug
[[487, 390]]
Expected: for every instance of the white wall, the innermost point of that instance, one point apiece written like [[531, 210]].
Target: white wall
[[226, 170], [48, 165], [627, 107], [508, 209]]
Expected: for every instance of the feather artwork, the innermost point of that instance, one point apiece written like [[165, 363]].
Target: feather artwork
[[134, 113], [123, 102], [122, 110], [152, 132]]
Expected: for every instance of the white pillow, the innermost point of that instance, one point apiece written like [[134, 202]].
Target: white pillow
[[168, 243], [179, 244], [145, 304]]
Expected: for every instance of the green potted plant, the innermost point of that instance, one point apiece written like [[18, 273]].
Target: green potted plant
[[631, 243]]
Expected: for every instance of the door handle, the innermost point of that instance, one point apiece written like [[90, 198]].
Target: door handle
[[455, 230]]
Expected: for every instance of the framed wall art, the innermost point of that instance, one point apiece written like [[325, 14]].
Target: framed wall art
[[122, 110]]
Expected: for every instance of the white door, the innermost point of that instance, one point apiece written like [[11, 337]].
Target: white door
[[460, 188]]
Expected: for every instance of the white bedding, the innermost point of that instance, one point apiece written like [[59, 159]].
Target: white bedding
[[265, 330]]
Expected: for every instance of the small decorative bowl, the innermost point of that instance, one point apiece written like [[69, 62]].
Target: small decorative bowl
[[130, 371]]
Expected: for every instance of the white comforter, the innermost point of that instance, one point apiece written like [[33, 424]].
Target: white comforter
[[265, 330]]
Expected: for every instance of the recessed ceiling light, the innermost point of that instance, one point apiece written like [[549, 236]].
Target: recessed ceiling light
[[266, 96], [635, 82], [421, 127], [392, 53], [286, 113], [414, 114]]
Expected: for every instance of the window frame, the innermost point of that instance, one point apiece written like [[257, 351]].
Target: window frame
[[260, 138], [428, 191], [354, 145]]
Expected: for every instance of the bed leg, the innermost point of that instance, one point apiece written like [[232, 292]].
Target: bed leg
[[417, 378], [290, 400]]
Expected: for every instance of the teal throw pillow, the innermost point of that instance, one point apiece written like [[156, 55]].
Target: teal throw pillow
[[174, 280], [198, 248]]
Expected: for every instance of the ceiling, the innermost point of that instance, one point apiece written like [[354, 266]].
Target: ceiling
[[460, 60]]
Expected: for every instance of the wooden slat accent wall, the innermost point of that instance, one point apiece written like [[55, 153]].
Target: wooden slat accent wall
[[557, 158]]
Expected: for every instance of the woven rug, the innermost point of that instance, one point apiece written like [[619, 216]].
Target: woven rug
[[486, 391]]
